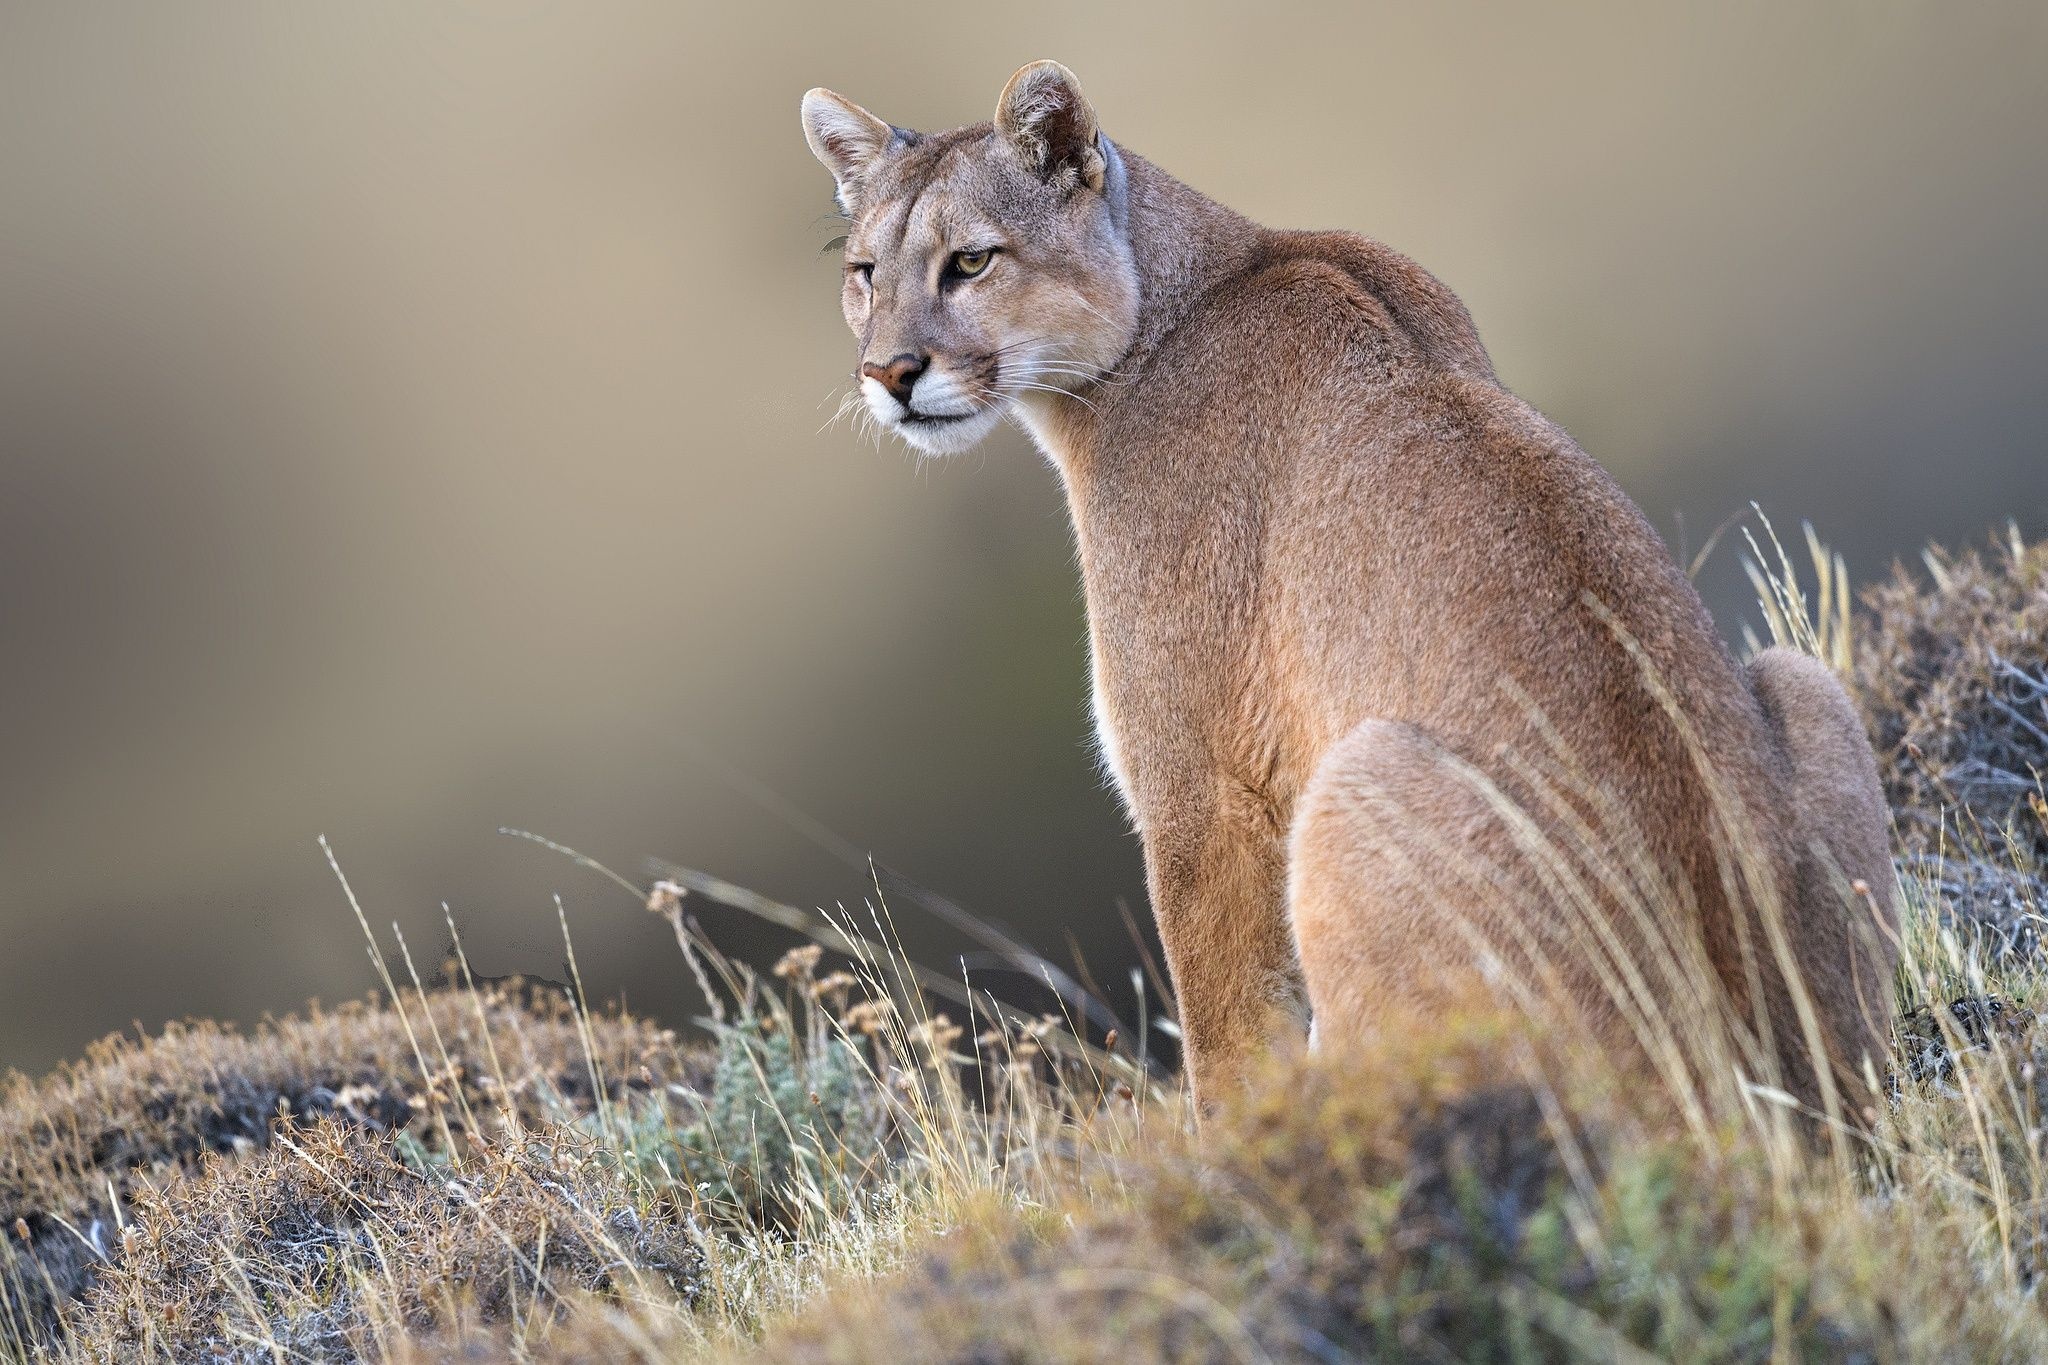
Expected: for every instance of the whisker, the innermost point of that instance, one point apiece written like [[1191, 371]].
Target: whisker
[[847, 403], [1031, 386], [1040, 344]]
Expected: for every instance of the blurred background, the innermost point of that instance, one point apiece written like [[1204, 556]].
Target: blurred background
[[412, 422]]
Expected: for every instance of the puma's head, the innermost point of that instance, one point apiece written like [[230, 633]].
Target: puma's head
[[983, 266]]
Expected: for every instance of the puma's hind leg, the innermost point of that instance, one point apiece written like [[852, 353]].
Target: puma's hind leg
[[1398, 866], [1842, 916]]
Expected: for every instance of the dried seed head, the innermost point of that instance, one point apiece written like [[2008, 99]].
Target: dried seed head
[[936, 1034], [833, 986], [869, 1017], [798, 964], [1042, 1025]]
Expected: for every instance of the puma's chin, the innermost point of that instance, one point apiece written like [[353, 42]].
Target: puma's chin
[[946, 435]]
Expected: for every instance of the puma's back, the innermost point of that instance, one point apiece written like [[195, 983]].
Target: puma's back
[[1397, 685]]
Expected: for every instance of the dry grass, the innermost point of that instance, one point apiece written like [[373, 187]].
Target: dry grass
[[328, 1244], [1429, 1202], [497, 1173], [77, 1147], [1952, 673], [843, 1174]]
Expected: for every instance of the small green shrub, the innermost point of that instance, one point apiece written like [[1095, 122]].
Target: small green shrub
[[781, 1122]]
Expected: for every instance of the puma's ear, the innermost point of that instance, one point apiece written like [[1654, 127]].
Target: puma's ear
[[1043, 114], [846, 138]]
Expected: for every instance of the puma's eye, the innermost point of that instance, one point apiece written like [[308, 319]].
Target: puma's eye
[[967, 264]]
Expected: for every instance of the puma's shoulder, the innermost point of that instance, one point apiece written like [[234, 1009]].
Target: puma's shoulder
[[1340, 280]]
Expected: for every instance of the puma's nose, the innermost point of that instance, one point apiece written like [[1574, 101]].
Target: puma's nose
[[899, 376]]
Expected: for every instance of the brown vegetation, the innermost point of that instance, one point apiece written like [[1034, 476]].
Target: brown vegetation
[[1431, 1202], [327, 1245], [841, 1175], [77, 1147], [1951, 670]]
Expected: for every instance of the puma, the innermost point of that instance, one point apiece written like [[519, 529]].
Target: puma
[[1399, 688]]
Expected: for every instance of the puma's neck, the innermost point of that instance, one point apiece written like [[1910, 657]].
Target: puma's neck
[[1182, 242]]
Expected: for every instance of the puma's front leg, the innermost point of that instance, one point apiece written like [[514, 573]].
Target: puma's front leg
[[1217, 873]]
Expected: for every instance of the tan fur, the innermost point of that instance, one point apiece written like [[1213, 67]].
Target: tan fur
[[1390, 674]]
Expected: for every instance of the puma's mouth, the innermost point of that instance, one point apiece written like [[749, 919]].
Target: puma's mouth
[[944, 430], [945, 433]]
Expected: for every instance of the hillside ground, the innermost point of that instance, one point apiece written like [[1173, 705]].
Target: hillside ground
[[853, 1168]]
